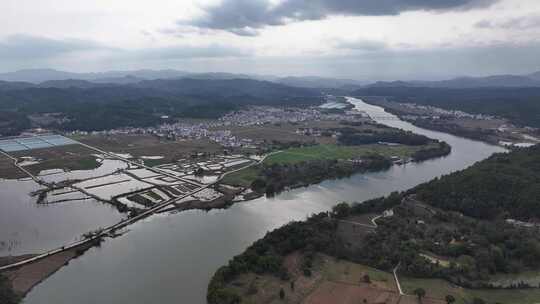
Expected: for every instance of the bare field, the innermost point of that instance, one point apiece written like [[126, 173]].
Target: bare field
[[148, 145], [270, 133], [340, 293], [286, 132], [70, 157], [8, 170], [332, 281]]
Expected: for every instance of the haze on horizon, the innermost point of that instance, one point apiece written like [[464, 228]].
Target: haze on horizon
[[359, 39]]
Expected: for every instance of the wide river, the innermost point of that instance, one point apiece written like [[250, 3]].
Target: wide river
[[171, 258]]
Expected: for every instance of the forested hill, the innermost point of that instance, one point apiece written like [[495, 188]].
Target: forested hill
[[80, 106], [520, 105], [504, 185]]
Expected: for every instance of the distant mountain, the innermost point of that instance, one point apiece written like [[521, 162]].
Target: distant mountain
[[225, 88], [71, 83], [535, 76], [38, 75], [128, 79], [531, 80], [118, 77], [319, 82], [12, 85], [42, 75]]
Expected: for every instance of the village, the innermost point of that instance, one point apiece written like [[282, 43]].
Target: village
[[218, 131]]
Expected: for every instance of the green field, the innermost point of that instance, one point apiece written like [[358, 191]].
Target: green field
[[352, 273], [318, 152], [438, 288], [243, 177]]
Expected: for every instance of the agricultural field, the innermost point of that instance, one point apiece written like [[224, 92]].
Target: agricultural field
[[243, 177], [332, 281], [70, 157], [438, 288], [330, 152], [144, 146], [286, 132]]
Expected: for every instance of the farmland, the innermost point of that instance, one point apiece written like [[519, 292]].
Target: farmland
[[335, 152], [439, 289]]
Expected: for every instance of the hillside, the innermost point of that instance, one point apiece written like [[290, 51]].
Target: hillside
[[83, 105], [452, 228], [505, 185]]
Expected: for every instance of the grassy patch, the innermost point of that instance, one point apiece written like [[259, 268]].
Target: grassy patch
[[78, 163], [243, 177], [439, 289], [352, 273], [330, 152]]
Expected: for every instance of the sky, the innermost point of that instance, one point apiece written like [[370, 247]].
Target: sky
[[357, 39]]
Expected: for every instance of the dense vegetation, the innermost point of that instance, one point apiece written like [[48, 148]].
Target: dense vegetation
[[353, 137], [476, 244], [505, 185], [142, 104], [11, 123], [276, 177], [520, 105]]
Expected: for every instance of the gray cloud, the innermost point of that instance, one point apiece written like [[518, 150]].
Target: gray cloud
[[244, 17], [362, 45], [519, 23], [189, 52], [27, 47]]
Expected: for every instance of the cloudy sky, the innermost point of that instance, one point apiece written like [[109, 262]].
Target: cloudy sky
[[360, 39]]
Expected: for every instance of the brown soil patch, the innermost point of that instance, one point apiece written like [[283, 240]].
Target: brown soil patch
[[148, 145], [339, 293], [24, 278]]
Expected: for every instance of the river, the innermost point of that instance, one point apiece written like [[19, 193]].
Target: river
[[171, 258]]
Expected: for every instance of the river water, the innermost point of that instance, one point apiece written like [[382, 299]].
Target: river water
[[171, 258], [26, 227]]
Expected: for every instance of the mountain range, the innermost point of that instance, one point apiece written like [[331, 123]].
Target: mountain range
[[528, 80], [61, 79]]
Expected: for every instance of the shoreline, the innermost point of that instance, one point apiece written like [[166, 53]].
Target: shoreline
[[486, 135], [36, 272]]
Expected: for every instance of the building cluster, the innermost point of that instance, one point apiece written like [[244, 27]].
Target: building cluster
[[216, 130], [438, 112]]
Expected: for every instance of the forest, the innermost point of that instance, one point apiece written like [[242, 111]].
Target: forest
[[454, 217], [141, 104], [504, 185]]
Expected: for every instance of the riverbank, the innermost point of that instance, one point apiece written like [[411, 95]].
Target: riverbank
[[242, 224], [431, 234], [33, 273], [492, 130]]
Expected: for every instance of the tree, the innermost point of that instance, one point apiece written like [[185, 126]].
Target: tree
[[367, 279], [478, 301], [341, 210], [282, 294], [450, 299], [420, 293]]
